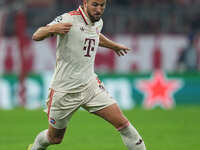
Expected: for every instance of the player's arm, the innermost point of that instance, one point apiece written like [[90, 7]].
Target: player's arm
[[120, 50], [49, 30]]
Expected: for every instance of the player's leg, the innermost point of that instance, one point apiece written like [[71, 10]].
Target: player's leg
[[55, 133], [55, 136], [58, 119], [48, 137], [103, 105], [113, 115], [129, 134]]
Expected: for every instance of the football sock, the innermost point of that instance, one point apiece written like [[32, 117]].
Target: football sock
[[131, 138], [41, 141]]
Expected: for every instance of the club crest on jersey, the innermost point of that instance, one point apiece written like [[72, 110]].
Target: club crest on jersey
[[82, 29], [52, 121], [58, 19]]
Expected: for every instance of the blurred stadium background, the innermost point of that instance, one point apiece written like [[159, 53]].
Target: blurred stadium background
[[163, 36], [161, 71]]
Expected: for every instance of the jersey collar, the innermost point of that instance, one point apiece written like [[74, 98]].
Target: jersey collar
[[84, 16]]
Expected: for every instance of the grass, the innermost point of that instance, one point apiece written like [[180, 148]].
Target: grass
[[176, 129]]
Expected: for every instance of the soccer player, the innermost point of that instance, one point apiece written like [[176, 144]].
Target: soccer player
[[74, 82]]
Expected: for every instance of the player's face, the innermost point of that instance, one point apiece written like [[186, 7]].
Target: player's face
[[95, 9]]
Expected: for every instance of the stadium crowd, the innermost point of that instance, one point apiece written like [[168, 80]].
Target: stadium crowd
[[142, 16]]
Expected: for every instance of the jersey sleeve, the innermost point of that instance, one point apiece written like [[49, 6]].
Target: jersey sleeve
[[64, 18]]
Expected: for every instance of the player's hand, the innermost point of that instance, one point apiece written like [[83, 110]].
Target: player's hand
[[121, 50], [61, 28]]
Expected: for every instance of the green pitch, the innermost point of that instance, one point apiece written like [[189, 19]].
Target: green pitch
[[176, 129]]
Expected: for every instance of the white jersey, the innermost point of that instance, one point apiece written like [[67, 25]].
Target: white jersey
[[76, 52]]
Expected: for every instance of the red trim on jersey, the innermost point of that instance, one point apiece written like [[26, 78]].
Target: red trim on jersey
[[98, 81], [50, 101], [83, 16], [74, 13]]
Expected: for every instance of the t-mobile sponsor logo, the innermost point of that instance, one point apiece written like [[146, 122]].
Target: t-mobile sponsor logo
[[89, 46]]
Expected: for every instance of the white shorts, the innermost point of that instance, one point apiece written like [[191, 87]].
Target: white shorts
[[61, 106]]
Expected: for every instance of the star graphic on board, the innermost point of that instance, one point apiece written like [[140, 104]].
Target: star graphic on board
[[158, 90]]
